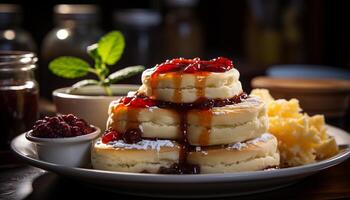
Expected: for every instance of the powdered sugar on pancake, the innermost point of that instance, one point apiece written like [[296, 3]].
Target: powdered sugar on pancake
[[263, 138], [142, 145], [239, 145]]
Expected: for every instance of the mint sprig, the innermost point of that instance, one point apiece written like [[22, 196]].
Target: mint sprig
[[106, 52], [111, 47], [70, 67]]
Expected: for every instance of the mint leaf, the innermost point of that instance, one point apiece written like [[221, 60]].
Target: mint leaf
[[111, 47], [69, 67], [124, 73]]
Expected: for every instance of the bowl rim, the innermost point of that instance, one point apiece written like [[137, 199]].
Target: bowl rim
[[297, 84], [62, 92], [75, 139]]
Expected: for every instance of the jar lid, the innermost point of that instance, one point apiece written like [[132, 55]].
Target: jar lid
[[10, 13], [76, 12], [17, 60], [138, 17], [181, 3]]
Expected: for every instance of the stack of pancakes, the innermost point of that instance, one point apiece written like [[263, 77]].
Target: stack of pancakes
[[198, 122]]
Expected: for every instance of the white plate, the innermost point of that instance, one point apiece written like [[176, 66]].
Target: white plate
[[202, 185]]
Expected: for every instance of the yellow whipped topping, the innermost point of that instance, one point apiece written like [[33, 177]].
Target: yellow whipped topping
[[301, 139]]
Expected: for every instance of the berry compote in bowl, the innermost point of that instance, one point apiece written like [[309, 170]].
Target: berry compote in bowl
[[64, 140]]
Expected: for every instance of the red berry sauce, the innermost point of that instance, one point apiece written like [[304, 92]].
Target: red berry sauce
[[219, 64], [131, 136], [142, 101], [138, 101]]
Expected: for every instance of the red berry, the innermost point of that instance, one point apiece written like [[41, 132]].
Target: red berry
[[125, 100], [139, 102], [80, 124], [110, 135]]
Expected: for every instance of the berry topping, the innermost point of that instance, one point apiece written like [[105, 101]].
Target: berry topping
[[61, 126], [132, 136], [219, 64], [111, 135], [138, 101], [141, 101], [180, 169]]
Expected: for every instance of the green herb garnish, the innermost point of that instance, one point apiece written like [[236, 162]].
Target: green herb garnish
[[106, 52]]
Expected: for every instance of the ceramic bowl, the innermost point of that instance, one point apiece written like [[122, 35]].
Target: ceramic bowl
[[89, 103], [68, 151]]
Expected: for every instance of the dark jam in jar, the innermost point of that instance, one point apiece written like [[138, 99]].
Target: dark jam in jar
[[18, 95], [18, 111]]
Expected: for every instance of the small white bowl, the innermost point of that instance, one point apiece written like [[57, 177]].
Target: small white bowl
[[67, 151], [90, 99]]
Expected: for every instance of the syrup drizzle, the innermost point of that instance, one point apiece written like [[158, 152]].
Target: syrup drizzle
[[177, 80], [132, 114], [132, 121], [184, 145], [200, 83], [154, 84], [204, 115], [205, 119]]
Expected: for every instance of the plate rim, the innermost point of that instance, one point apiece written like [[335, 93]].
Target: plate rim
[[198, 178]]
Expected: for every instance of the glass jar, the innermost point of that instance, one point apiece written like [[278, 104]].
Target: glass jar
[[183, 33], [76, 28], [12, 36], [274, 33], [19, 93], [141, 30]]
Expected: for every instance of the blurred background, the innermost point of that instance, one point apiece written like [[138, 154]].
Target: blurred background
[[256, 34], [291, 38]]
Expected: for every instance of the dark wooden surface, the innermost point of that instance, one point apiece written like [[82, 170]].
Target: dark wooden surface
[[27, 182]]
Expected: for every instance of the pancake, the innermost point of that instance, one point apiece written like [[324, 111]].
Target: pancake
[[257, 154], [153, 122], [152, 155], [219, 125], [187, 88], [144, 156]]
